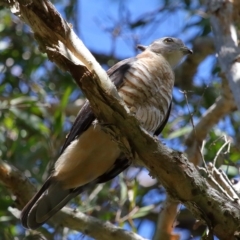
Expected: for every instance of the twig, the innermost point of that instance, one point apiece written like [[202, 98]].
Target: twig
[[194, 130], [223, 105], [166, 220], [219, 151]]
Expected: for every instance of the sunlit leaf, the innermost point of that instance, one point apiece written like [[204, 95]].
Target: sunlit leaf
[[143, 211], [180, 132]]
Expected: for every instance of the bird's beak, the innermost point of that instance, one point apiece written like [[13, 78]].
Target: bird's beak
[[186, 50], [141, 47]]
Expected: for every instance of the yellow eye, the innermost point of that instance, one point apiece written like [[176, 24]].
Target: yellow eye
[[168, 40]]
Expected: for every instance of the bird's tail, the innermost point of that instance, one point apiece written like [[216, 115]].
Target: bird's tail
[[46, 202]]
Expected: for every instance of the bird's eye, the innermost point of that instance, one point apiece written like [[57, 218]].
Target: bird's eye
[[168, 40]]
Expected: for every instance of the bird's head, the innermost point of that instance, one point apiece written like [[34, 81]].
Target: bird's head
[[172, 49]]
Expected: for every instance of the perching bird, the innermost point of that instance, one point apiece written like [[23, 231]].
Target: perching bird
[[89, 156]]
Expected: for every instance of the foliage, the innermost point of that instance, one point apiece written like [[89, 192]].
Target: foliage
[[34, 94]]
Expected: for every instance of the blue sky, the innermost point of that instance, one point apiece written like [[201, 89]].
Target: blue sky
[[96, 15]]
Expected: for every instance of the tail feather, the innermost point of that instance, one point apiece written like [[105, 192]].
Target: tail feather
[[28, 207], [47, 201]]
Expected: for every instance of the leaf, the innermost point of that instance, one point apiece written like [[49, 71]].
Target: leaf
[[143, 211], [32, 121], [6, 218], [59, 115], [21, 100], [180, 132], [229, 170], [123, 190]]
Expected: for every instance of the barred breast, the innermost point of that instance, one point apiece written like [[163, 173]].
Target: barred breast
[[147, 89]]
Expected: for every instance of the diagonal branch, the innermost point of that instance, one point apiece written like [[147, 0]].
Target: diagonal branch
[[228, 55], [168, 166], [223, 106], [226, 43]]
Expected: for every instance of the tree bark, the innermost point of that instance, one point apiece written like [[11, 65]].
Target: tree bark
[[181, 179]]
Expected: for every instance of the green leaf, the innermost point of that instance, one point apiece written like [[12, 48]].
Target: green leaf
[[143, 211], [123, 190], [180, 132], [21, 100], [59, 116], [229, 170], [32, 121]]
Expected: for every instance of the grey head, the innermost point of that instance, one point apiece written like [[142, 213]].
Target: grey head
[[172, 49]]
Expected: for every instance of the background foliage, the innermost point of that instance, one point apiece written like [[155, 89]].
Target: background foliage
[[38, 104]]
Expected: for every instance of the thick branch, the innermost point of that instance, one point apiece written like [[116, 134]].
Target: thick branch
[[225, 103], [54, 35], [94, 227], [226, 42], [223, 106], [166, 219], [167, 166]]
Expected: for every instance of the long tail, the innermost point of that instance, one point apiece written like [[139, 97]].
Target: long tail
[[46, 202]]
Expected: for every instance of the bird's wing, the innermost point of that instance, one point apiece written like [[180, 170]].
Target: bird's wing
[[86, 116], [120, 165], [117, 72], [52, 197], [82, 122], [163, 124]]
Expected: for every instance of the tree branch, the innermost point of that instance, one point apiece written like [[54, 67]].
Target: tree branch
[[226, 42], [224, 31], [223, 106], [23, 190], [169, 167], [166, 219], [228, 55], [16, 183]]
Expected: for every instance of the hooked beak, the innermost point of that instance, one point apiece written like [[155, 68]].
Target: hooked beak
[[186, 50], [141, 47]]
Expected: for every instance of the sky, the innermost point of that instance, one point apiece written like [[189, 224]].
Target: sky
[[95, 16]]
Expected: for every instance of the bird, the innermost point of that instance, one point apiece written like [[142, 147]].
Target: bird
[[89, 156]]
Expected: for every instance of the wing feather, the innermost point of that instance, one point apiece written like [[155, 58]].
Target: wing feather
[[163, 124], [52, 197], [86, 116]]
